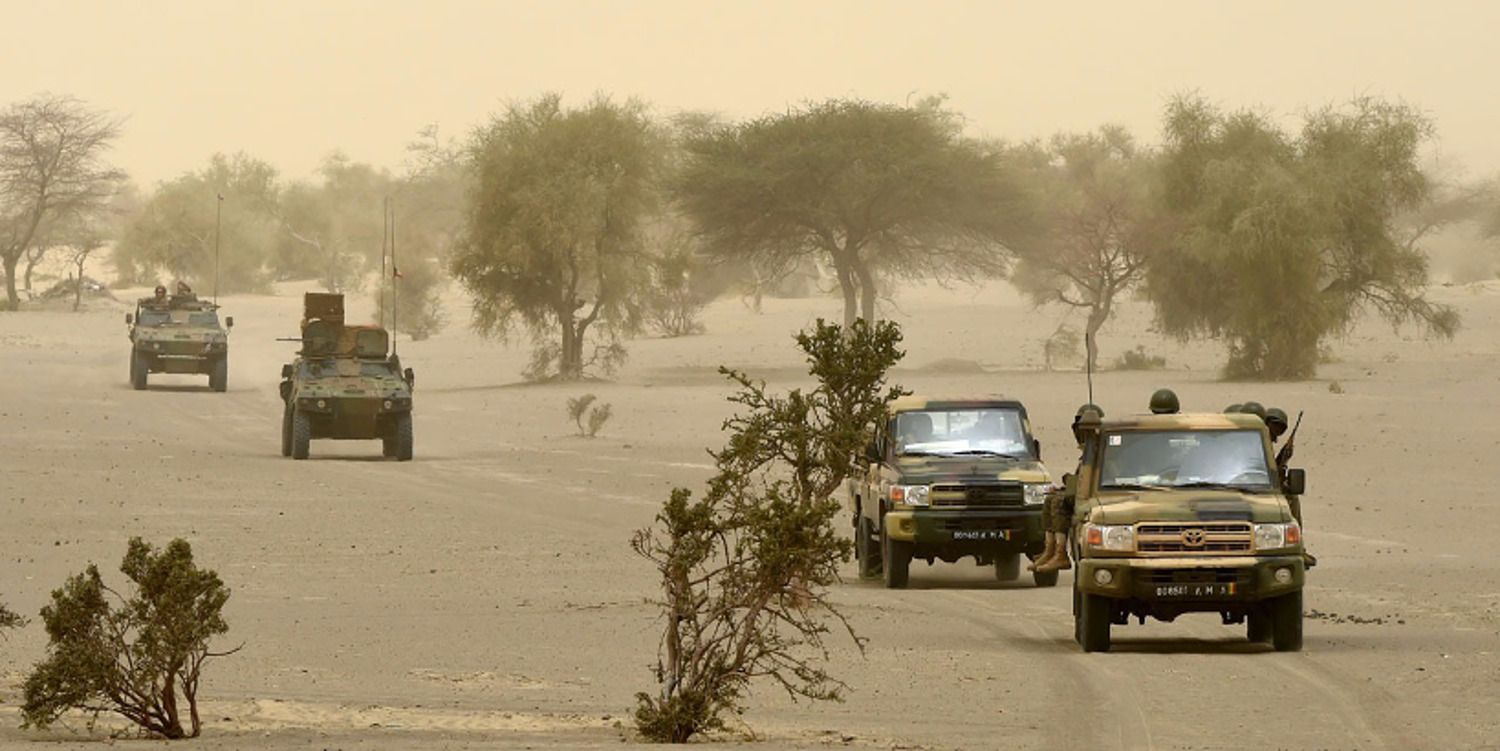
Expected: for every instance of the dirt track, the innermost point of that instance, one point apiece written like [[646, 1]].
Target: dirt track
[[485, 595]]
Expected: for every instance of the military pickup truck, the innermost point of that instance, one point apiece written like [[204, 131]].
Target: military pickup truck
[[1186, 513], [178, 334], [948, 479]]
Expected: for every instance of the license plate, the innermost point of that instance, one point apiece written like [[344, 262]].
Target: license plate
[[981, 534], [1195, 590]]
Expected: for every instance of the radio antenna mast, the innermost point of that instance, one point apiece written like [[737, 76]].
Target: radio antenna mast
[[1088, 358]]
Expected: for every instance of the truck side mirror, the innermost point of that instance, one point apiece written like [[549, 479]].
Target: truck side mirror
[[411, 378], [129, 319], [286, 370], [872, 452], [1036, 449], [1296, 481], [229, 322]]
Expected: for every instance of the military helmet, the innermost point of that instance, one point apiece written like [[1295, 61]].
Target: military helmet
[[1253, 408], [1090, 407], [1276, 415], [1164, 402], [1233, 408], [1086, 420]]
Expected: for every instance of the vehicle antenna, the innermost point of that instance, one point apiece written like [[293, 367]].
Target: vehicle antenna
[[385, 249], [395, 275], [218, 216], [1088, 348]]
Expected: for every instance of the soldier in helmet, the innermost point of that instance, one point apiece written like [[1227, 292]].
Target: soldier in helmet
[[1164, 402], [1057, 512], [1276, 423], [1253, 408], [1233, 408], [160, 295]]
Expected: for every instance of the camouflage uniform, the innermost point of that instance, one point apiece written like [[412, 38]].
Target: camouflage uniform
[[1057, 510]]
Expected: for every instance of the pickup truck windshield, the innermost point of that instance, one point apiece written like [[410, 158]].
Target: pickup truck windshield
[[968, 431], [1185, 458]]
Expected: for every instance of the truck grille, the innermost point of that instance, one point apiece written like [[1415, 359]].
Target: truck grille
[[1193, 537], [977, 495]]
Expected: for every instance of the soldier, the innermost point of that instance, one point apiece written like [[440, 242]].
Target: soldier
[[160, 297], [1253, 408], [1164, 402], [1233, 408], [1057, 513], [1276, 423]]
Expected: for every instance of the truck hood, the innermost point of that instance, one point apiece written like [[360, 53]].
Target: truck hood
[[925, 470], [1189, 505]]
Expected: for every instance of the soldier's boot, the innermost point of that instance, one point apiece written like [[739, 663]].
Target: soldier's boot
[[1060, 560], [1046, 554], [1308, 560]]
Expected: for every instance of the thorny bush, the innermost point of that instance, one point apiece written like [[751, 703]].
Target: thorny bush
[[745, 568]]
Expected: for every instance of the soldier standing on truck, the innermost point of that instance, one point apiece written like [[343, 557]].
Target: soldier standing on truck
[[1057, 513]]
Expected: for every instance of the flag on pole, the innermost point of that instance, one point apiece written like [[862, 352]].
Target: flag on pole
[[395, 274]]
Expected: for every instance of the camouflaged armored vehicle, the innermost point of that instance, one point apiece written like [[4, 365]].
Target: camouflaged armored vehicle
[[1186, 513], [949, 479], [345, 384], [178, 334]]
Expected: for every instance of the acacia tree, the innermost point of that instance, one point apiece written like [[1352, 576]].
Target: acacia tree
[[174, 232], [1102, 217], [139, 656], [330, 229], [1285, 239], [553, 237], [745, 568], [51, 165], [878, 191]]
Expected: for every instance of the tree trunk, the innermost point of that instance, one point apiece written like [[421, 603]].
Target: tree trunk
[[867, 290], [848, 286], [31, 262], [1098, 314], [12, 299], [78, 284], [570, 359]]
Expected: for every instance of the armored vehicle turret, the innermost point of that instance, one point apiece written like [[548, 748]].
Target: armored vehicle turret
[[345, 384]]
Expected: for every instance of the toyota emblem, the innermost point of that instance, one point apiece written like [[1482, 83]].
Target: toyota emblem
[[1194, 537]]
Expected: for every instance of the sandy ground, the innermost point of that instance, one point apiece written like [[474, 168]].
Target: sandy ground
[[484, 596]]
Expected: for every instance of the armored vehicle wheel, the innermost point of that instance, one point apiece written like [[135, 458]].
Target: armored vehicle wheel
[[138, 368], [218, 378], [1093, 623], [301, 434], [1286, 623], [866, 549], [403, 437], [895, 561], [1258, 625], [387, 447], [1008, 567], [286, 431], [1045, 578]]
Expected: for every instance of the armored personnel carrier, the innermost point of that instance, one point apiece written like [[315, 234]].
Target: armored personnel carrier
[[346, 384], [178, 334]]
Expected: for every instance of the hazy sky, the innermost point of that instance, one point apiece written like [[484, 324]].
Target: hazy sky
[[290, 82]]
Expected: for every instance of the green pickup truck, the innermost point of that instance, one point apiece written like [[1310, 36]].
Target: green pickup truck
[[1186, 513], [947, 479]]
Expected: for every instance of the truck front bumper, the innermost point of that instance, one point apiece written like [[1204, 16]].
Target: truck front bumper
[[972, 530], [1189, 581]]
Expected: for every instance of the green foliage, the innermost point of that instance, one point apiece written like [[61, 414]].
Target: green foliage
[[682, 285], [174, 233], [579, 406], [328, 230], [419, 299], [1139, 359], [1284, 240], [131, 655], [9, 620], [1061, 345], [553, 242], [877, 191], [745, 568]]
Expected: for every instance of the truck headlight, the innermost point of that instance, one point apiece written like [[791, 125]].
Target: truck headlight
[[1274, 536], [911, 495], [1110, 537], [1036, 493]]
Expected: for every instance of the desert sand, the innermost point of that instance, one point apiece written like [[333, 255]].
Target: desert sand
[[485, 595]]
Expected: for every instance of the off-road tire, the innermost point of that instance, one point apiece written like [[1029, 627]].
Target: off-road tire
[[403, 437], [1286, 623], [138, 368], [301, 434], [1007, 567], [388, 447], [1045, 578], [1093, 622], [1258, 625], [218, 376], [895, 561], [286, 430], [866, 549]]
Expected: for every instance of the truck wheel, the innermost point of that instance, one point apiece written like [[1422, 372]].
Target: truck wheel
[[138, 368], [1093, 623], [895, 561], [1258, 625], [1286, 623], [388, 447], [403, 437], [1007, 567], [218, 377], [1077, 616], [286, 431], [866, 549], [301, 434], [1045, 578]]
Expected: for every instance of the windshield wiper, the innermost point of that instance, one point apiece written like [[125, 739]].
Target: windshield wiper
[[1213, 485], [916, 453], [1130, 486], [977, 452]]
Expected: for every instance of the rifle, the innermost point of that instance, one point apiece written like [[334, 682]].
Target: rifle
[[1284, 455]]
